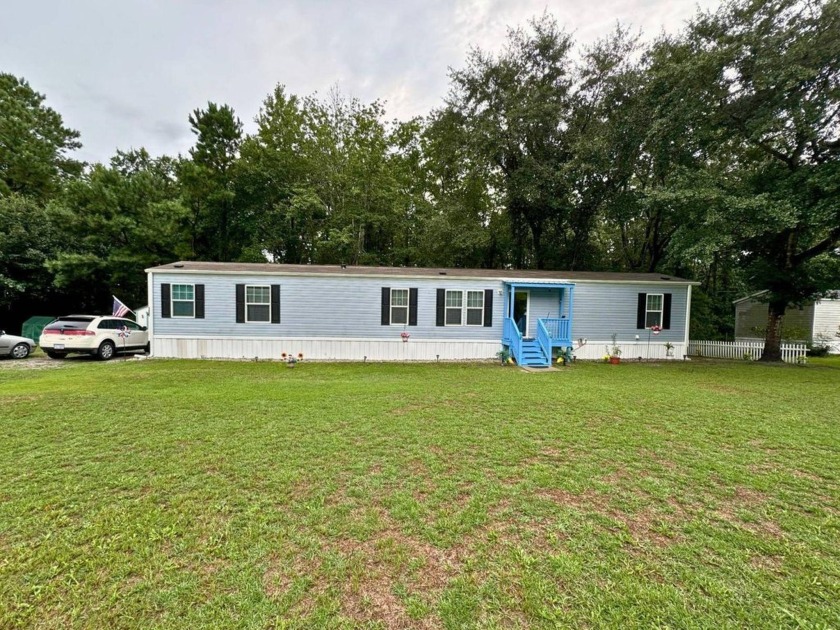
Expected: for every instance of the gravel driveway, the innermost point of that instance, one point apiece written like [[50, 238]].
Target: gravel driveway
[[38, 361]]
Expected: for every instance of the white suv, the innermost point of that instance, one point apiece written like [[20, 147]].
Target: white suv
[[88, 334]]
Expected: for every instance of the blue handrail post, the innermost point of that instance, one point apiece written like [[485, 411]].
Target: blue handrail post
[[571, 315]]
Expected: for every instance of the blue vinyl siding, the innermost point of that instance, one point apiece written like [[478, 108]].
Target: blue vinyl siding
[[603, 309], [319, 306]]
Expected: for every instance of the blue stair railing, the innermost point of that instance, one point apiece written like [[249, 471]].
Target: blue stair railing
[[514, 338], [557, 329], [544, 339]]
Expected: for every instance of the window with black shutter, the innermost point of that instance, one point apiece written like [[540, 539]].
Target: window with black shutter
[[440, 308], [240, 303], [183, 300], [199, 301], [654, 309], [399, 307], [412, 307], [275, 303], [165, 304], [257, 303], [488, 307]]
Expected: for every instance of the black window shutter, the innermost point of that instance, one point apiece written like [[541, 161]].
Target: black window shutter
[[165, 303], [412, 307], [488, 307], [666, 312], [275, 303], [640, 313], [240, 303], [440, 311], [385, 307], [199, 301]]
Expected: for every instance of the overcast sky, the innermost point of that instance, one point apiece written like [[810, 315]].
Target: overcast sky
[[128, 73]]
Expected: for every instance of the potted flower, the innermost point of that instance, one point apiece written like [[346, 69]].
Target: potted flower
[[504, 355], [405, 336], [290, 359], [613, 351], [669, 350]]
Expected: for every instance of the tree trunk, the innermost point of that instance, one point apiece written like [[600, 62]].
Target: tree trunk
[[773, 335]]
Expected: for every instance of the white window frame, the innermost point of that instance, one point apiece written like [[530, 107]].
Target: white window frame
[[660, 310], [247, 303], [392, 306], [446, 308], [467, 307], [172, 300]]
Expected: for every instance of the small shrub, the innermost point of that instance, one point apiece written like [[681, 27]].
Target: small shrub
[[815, 350]]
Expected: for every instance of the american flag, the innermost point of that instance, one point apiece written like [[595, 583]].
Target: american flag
[[120, 309]]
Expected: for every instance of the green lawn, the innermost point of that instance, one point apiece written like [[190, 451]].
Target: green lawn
[[218, 494]]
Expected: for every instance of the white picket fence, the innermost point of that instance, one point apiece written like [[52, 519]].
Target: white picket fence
[[791, 352]]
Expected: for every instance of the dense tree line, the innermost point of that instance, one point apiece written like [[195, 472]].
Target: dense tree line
[[713, 154]]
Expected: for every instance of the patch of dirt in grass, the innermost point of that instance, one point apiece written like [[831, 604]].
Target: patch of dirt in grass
[[551, 455], [373, 600], [642, 525], [388, 558], [667, 464], [803, 474], [765, 527], [418, 468], [763, 446], [20, 398], [32, 363], [620, 475], [767, 563], [554, 452], [763, 469], [748, 497], [212, 567], [280, 573], [132, 582], [723, 389], [751, 501], [587, 500], [412, 408], [275, 580]]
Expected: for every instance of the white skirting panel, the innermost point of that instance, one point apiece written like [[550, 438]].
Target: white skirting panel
[[323, 349], [630, 350]]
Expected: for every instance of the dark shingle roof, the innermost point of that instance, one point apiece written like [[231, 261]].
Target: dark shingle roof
[[424, 272]]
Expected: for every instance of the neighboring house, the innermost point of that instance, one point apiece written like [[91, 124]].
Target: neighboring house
[[243, 310], [816, 322]]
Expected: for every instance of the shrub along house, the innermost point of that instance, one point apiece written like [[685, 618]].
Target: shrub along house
[[243, 310]]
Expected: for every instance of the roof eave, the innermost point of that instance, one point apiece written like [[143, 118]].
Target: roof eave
[[350, 274]]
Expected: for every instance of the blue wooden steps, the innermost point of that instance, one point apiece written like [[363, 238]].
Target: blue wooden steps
[[532, 354]]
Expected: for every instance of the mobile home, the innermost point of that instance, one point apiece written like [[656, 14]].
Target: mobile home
[[242, 310]]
